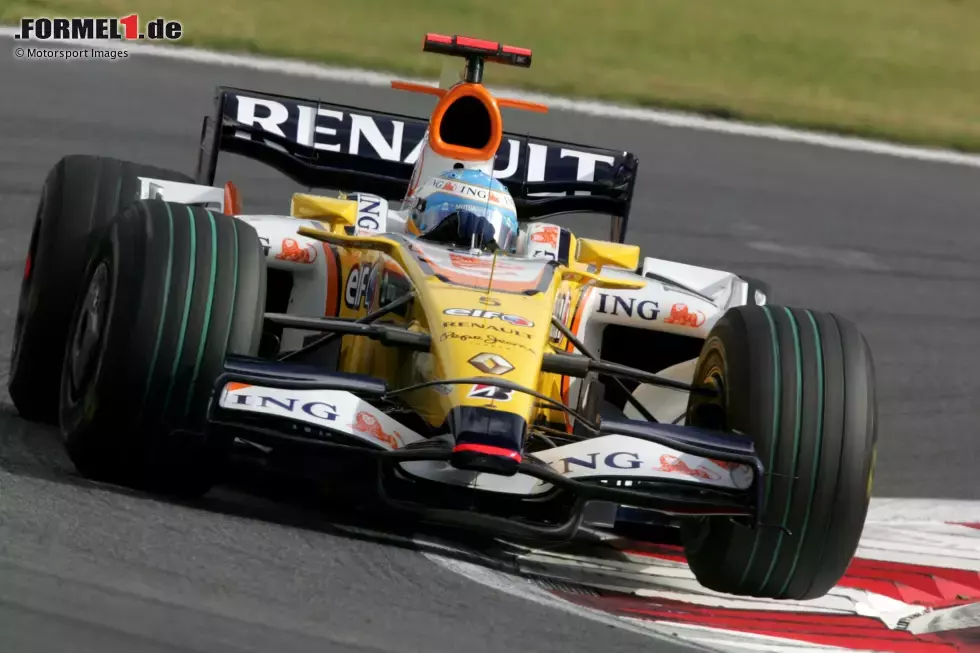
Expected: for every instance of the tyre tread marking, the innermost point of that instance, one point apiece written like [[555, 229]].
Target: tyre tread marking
[[797, 434], [777, 391], [207, 315], [815, 470], [163, 306], [188, 296]]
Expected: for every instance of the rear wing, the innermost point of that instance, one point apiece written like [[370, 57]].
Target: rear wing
[[338, 147]]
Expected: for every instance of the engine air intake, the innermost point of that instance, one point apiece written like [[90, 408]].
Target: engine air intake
[[466, 124]]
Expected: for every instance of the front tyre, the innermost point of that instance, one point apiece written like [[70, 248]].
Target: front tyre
[[169, 292], [81, 195], [801, 383]]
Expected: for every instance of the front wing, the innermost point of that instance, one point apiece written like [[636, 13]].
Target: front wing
[[673, 470]]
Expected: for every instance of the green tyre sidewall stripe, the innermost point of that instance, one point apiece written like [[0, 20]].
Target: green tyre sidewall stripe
[[163, 308], [816, 456], [188, 296], [777, 391], [797, 434], [207, 315]]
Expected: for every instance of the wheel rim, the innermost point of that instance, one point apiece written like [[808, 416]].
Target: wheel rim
[[88, 331], [712, 414]]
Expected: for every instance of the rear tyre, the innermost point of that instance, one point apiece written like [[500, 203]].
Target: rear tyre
[[80, 196], [169, 292], [801, 383]]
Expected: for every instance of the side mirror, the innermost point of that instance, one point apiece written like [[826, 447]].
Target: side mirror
[[602, 253], [336, 212]]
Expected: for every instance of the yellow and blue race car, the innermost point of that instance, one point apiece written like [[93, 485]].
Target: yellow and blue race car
[[425, 325]]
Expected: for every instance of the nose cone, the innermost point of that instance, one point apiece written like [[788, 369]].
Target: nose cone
[[487, 440], [500, 341]]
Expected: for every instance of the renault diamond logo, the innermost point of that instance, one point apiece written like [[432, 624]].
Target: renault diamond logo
[[491, 364]]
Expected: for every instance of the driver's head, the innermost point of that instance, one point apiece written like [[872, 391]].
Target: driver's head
[[471, 191]]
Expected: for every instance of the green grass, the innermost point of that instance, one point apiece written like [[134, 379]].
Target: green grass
[[905, 70]]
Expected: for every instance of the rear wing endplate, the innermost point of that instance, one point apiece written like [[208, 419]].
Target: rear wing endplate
[[338, 147]]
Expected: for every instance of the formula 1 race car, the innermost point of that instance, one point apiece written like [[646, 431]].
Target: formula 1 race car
[[521, 392]]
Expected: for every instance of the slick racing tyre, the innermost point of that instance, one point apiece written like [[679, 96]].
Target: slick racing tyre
[[80, 196], [801, 384], [169, 291]]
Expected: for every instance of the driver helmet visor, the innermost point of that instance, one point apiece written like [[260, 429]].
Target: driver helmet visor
[[505, 226]]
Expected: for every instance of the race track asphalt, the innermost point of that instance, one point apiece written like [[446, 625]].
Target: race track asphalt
[[889, 243]]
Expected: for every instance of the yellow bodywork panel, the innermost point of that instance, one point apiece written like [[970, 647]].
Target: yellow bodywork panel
[[587, 278], [496, 329], [602, 253], [336, 212]]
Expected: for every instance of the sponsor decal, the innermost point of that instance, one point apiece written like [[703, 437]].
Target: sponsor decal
[[443, 389], [318, 409], [491, 364], [548, 241], [497, 198], [681, 315], [740, 476], [615, 460], [487, 327], [516, 320], [357, 286], [677, 466], [394, 285], [468, 190], [335, 128], [333, 410], [464, 262], [371, 213], [101, 29], [373, 280], [292, 250], [628, 306], [365, 422], [547, 235], [487, 339], [492, 392], [488, 301]]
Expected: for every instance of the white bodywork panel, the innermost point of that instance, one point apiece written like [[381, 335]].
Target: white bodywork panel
[[678, 298], [331, 409], [667, 405], [177, 191]]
